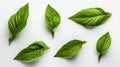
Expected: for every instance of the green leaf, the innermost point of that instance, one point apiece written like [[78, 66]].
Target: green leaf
[[52, 18], [18, 21], [91, 17], [103, 45], [70, 49], [32, 52]]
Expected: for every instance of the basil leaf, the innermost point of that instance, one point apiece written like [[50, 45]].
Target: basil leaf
[[103, 45], [32, 52], [17, 22], [91, 17], [52, 18], [70, 49]]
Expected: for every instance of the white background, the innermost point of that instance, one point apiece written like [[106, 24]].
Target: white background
[[67, 30]]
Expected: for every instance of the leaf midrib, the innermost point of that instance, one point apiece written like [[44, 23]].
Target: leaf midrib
[[103, 45], [91, 16]]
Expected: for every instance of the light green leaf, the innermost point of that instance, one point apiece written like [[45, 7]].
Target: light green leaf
[[103, 45], [18, 21], [91, 17], [70, 49], [32, 52], [52, 18]]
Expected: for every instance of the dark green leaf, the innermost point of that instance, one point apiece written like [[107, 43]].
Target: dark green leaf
[[70, 49], [52, 18], [91, 17], [18, 21], [32, 52], [103, 45]]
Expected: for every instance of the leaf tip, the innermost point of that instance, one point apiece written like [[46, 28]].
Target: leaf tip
[[14, 58], [70, 18], [110, 14], [55, 55], [48, 47], [84, 42], [27, 4], [48, 5], [107, 33]]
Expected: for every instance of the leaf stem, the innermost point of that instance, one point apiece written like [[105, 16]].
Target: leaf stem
[[99, 57], [52, 32], [11, 39]]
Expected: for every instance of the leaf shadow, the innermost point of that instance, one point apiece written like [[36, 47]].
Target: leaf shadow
[[75, 57], [30, 64], [72, 58], [88, 27], [34, 63]]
